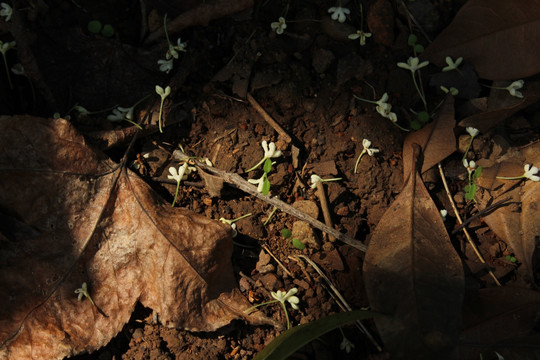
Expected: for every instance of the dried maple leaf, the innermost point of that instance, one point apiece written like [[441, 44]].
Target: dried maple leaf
[[69, 215]]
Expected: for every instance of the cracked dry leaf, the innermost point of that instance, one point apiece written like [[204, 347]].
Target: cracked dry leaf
[[413, 275], [69, 215]]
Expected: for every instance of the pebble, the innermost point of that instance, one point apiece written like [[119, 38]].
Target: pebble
[[271, 282]]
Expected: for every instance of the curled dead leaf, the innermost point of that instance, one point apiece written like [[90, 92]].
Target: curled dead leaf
[[70, 215]]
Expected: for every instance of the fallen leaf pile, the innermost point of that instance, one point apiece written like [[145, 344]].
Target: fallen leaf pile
[[70, 215]]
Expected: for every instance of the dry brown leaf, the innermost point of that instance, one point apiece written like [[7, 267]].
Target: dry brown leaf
[[501, 105], [519, 227], [436, 139], [499, 318], [500, 38], [70, 215], [413, 274]]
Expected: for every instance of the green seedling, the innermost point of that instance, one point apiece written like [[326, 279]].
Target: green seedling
[[83, 292], [4, 47], [384, 109], [473, 132], [281, 297], [279, 26], [511, 258], [474, 173], [270, 216], [412, 41], [338, 12], [96, 27], [167, 64], [232, 223], [360, 34], [163, 94], [366, 144], [452, 65], [269, 153], [179, 175], [287, 234], [413, 64], [512, 88], [530, 173]]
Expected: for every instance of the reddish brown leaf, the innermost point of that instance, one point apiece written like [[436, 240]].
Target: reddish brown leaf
[[437, 139], [70, 215], [413, 274], [500, 38]]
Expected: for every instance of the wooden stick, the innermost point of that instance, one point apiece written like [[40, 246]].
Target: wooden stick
[[238, 182], [269, 119], [321, 194]]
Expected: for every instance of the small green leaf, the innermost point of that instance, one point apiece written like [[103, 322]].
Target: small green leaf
[[286, 233], [470, 191], [267, 166], [298, 244], [107, 31], [477, 173], [416, 125], [412, 40], [266, 187], [95, 26], [513, 259], [423, 116], [418, 48], [293, 339]]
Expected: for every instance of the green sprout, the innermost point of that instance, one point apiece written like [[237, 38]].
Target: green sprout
[[413, 64], [163, 94], [269, 153], [179, 175], [96, 27], [281, 297], [452, 65], [232, 222], [287, 234], [512, 88], [4, 47], [360, 34], [530, 173], [474, 173], [412, 41], [366, 144]]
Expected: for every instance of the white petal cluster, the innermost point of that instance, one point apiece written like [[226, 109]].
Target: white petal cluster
[[530, 172], [366, 144], [413, 64], [270, 150], [281, 296], [279, 26], [339, 13]]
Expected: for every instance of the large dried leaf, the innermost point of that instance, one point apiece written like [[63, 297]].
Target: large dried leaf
[[437, 139], [69, 215], [501, 105], [500, 319], [413, 274], [500, 38], [518, 226]]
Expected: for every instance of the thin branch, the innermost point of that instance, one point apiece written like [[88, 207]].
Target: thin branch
[[238, 182]]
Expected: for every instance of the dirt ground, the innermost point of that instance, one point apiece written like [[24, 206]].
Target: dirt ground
[[305, 80]]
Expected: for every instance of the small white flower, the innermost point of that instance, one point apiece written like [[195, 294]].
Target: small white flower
[[5, 46], [469, 165], [163, 93], [178, 175], [121, 113], [451, 64], [413, 64], [452, 90], [270, 150], [82, 291], [81, 110], [174, 49], [18, 69], [513, 87], [444, 212], [259, 182], [472, 131], [366, 144], [346, 345], [281, 296], [279, 26], [316, 179], [339, 13], [165, 65], [530, 172], [360, 34], [6, 11], [385, 111]]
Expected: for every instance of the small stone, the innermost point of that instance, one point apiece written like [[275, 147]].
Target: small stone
[[342, 211], [138, 333], [271, 282]]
